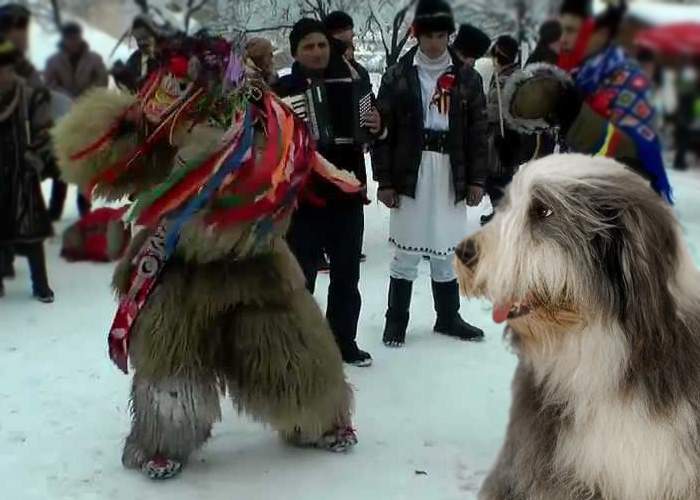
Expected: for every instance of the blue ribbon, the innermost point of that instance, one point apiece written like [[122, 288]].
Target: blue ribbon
[[194, 205]]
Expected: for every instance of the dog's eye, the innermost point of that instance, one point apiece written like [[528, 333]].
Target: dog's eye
[[540, 210]]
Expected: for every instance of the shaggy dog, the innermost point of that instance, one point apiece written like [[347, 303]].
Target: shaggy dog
[[602, 300]]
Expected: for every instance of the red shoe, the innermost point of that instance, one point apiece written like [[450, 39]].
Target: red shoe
[[159, 468]]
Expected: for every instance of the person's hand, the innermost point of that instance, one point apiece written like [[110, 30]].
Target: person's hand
[[388, 197], [374, 121], [474, 196]]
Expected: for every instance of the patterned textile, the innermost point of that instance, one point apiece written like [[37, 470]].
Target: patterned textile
[[617, 89]]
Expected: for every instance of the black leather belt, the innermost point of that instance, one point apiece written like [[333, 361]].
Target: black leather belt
[[435, 141]]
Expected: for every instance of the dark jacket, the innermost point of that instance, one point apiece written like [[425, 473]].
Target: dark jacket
[[24, 146], [397, 157], [348, 157], [73, 77]]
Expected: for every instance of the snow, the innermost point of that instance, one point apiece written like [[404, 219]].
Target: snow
[[431, 416]]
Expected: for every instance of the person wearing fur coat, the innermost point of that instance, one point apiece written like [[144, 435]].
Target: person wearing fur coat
[[211, 300]]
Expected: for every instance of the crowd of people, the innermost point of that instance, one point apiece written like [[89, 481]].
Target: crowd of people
[[440, 140]]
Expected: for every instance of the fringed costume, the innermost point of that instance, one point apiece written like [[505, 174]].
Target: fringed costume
[[211, 301]]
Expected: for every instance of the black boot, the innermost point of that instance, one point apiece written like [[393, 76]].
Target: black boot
[[397, 312], [2, 288], [449, 322]]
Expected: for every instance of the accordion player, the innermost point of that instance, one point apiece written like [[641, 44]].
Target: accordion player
[[333, 119]]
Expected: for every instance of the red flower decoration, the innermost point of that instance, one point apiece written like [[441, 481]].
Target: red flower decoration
[[446, 82], [178, 66]]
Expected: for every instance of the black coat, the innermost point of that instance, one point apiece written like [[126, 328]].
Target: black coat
[[348, 157], [397, 157], [23, 150]]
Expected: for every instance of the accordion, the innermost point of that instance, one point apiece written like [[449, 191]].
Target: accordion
[[336, 111]]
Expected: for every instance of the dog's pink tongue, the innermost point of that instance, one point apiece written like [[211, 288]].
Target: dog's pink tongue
[[500, 312]]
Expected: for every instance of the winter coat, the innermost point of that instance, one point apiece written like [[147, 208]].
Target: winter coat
[[74, 77], [396, 158], [511, 149], [24, 147], [348, 157]]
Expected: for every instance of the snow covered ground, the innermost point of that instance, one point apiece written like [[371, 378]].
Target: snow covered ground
[[431, 416]]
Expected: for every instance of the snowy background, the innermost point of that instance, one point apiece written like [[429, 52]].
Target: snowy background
[[430, 417]]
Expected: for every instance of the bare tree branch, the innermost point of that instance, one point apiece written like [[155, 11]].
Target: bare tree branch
[[192, 8]]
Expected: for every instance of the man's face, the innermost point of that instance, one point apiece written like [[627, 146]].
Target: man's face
[[434, 45], [73, 43], [145, 41], [19, 36], [313, 52], [571, 28]]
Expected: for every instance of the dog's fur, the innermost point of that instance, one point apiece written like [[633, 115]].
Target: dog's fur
[[606, 403]]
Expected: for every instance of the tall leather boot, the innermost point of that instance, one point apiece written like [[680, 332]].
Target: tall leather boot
[[449, 322], [398, 312]]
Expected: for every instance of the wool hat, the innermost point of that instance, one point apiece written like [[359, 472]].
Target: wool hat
[[71, 29], [303, 28], [471, 41], [550, 32], [433, 16], [505, 50], [338, 21], [13, 15]]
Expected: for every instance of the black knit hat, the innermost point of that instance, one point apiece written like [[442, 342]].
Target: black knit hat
[[505, 50], [302, 28], [471, 42], [71, 29], [550, 32], [579, 8], [13, 15], [433, 16], [338, 21]]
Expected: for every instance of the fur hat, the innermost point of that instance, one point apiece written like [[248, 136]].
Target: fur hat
[[505, 50], [471, 41], [303, 28], [433, 16], [579, 8], [338, 21]]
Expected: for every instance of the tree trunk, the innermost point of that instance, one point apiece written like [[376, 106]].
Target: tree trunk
[[56, 14]]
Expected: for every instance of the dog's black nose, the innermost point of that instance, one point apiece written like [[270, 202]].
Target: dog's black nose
[[466, 251]]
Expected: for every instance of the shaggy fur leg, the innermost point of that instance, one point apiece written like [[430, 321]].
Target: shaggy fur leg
[[287, 371], [171, 418]]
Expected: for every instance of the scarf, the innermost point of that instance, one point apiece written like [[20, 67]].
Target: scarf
[[617, 89]]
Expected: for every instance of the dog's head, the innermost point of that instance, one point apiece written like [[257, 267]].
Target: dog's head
[[576, 240]]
